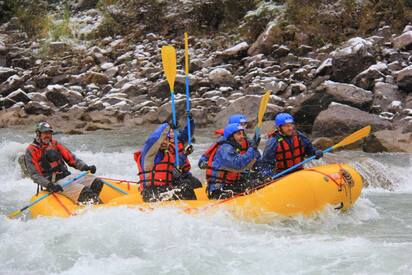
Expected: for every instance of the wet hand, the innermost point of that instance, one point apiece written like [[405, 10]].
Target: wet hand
[[91, 169]]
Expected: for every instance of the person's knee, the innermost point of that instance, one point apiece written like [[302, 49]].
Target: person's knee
[[97, 186], [87, 195]]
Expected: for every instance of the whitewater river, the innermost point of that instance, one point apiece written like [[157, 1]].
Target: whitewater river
[[375, 237]]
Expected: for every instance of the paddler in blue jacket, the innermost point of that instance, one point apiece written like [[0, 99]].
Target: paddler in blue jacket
[[286, 146], [160, 179], [227, 163]]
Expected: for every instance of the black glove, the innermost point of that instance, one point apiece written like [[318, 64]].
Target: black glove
[[318, 154], [190, 115], [54, 188], [189, 150], [202, 164], [177, 174], [91, 168]]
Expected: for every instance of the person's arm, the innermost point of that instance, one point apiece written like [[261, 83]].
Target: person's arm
[[151, 149], [33, 167], [232, 160], [310, 150], [269, 153], [183, 134], [71, 159]]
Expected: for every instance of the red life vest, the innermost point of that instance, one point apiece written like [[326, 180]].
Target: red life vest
[[220, 176], [286, 155], [48, 159], [162, 173]]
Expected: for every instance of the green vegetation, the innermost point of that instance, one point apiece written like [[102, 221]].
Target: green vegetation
[[59, 29]]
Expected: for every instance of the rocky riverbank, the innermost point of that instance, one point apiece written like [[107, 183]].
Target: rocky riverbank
[[96, 80]]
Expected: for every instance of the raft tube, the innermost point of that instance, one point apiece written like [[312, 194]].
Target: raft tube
[[305, 192]]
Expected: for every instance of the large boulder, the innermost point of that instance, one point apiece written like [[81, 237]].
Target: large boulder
[[389, 141], [366, 79], [221, 77], [237, 51], [355, 56], [308, 106], [12, 83], [340, 120], [6, 73], [403, 41], [38, 108], [384, 94], [247, 105], [16, 96], [404, 79], [93, 77], [60, 95], [266, 40], [164, 112]]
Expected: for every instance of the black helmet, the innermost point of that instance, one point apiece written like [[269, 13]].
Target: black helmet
[[43, 127]]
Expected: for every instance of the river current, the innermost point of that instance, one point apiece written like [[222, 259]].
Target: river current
[[374, 237]]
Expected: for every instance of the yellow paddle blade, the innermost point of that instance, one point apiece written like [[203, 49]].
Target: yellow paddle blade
[[262, 108], [186, 53], [169, 65], [13, 214], [358, 135]]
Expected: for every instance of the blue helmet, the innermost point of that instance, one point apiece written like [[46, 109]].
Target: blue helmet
[[237, 118], [232, 128], [283, 118]]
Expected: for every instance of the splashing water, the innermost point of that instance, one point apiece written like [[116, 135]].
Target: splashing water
[[373, 237]]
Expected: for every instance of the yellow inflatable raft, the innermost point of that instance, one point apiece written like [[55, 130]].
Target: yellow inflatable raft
[[305, 192]]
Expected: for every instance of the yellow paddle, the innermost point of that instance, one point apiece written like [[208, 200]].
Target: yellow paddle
[[262, 109], [364, 132], [169, 68], [67, 183]]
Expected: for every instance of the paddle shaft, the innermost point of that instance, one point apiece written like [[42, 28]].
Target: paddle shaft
[[187, 88], [189, 130], [175, 132], [48, 194], [114, 187]]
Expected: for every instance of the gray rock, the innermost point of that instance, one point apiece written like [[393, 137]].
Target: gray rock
[[247, 105], [93, 77], [57, 47], [60, 96], [308, 106], [37, 108], [281, 51], [366, 79], [404, 79], [12, 83], [266, 40], [341, 120], [165, 111], [13, 98], [404, 41], [237, 51], [384, 94], [389, 141], [6, 73], [221, 76], [86, 4], [355, 56]]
